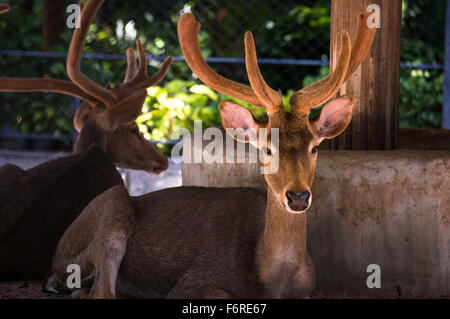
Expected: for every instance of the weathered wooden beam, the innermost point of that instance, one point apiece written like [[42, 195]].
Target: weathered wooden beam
[[446, 102], [375, 85]]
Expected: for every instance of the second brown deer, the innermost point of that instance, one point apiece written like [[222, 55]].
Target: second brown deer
[[37, 206], [194, 242]]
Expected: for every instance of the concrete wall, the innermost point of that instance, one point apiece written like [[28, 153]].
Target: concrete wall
[[387, 208]]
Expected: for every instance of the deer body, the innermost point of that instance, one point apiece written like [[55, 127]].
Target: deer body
[[37, 205], [200, 269], [192, 265], [194, 242]]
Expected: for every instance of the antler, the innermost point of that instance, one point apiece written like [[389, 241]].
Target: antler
[[135, 82], [4, 7], [350, 58], [44, 85], [131, 66], [73, 63], [140, 80], [259, 94]]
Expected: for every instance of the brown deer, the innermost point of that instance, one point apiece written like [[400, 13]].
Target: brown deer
[[194, 242], [37, 206]]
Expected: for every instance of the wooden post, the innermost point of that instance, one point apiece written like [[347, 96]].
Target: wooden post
[[446, 102], [375, 85]]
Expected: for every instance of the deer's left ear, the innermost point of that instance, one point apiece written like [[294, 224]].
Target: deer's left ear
[[334, 117]]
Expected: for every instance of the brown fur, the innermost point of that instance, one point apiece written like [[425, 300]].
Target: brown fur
[[37, 205]]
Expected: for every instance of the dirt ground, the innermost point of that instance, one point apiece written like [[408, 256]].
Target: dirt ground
[[26, 290], [32, 290]]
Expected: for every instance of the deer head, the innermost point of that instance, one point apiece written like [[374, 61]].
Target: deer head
[[107, 117], [299, 136]]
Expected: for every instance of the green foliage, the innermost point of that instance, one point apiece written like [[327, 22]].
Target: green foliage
[[177, 105], [421, 98]]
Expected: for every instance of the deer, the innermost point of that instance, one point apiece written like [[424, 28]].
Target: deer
[[196, 242], [37, 205]]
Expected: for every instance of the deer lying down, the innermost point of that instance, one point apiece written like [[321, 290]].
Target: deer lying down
[[194, 242], [37, 206]]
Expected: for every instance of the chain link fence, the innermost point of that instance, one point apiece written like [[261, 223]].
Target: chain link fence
[[292, 39]]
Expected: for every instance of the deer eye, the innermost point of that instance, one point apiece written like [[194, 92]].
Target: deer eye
[[315, 149], [136, 132], [267, 151]]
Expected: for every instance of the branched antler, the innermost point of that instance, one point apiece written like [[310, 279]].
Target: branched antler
[[349, 60], [135, 83], [260, 93]]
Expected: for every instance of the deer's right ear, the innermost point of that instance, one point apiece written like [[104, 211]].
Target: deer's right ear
[[239, 122], [80, 116]]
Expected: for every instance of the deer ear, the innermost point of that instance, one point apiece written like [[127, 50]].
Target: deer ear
[[80, 116], [123, 113], [240, 123], [334, 117]]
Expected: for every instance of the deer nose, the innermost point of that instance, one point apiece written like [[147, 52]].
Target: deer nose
[[298, 202]]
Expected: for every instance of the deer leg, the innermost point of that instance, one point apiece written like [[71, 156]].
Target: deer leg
[[190, 286], [107, 267], [96, 242], [81, 293]]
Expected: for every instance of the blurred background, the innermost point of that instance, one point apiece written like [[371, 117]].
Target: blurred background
[[292, 39]]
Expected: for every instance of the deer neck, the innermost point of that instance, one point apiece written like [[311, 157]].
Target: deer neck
[[90, 135], [282, 248]]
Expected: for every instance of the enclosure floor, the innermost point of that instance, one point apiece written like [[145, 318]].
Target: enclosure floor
[[26, 290], [32, 290]]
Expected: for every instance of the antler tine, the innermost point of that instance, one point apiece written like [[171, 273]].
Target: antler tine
[[269, 97], [8, 84], [131, 66], [315, 94], [141, 80], [4, 7], [188, 29], [73, 63], [362, 44], [323, 90]]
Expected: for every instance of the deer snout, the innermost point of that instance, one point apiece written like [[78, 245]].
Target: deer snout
[[298, 202], [160, 166]]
